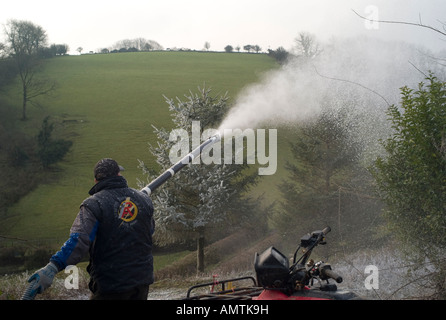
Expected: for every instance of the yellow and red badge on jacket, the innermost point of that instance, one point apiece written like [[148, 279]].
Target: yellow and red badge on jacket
[[127, 210]]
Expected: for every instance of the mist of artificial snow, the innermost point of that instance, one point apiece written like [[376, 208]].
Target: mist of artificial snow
[[363, 74]]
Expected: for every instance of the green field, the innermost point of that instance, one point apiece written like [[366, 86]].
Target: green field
[[107, 104]]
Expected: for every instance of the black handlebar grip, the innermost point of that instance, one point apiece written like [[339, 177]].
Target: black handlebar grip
[[331, 274]]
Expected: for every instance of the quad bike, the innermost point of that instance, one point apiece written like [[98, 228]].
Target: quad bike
[[305, 279]]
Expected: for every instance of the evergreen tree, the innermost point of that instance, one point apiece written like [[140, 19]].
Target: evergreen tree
[[201, 198], [411, 178], [326, 184]]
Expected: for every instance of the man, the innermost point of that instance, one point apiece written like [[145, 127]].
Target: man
[[115, 225]]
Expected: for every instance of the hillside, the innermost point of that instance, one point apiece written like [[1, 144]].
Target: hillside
[[107, 104]]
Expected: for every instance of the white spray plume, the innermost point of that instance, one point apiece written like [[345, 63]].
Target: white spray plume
[[364, 71]]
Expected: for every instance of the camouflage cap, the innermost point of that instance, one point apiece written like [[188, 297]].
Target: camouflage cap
[[106, 168]]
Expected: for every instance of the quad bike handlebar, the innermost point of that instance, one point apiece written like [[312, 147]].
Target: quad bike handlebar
[[273, 271], [326, 273], [277, 280]]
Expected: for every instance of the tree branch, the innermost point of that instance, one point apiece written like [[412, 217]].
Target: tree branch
[[420, 24], [352, 82]]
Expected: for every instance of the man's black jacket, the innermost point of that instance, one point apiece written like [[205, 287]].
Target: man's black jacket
[[115, 225]]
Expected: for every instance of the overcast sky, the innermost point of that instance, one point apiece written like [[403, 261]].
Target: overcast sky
[[95, 24]]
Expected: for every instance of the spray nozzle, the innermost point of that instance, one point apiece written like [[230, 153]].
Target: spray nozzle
[[216, 137]]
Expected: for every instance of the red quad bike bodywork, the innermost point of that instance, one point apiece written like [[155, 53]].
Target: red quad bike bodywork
[[307, 294], [276, 280], [254, 292], [278, 295]]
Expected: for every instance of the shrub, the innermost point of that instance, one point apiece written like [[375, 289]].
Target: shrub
[[51, 151]]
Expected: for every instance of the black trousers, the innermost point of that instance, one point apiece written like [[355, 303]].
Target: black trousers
[[137, 293]]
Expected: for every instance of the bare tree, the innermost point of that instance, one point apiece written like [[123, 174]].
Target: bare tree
[[307, 45], [26, 41], [256, 48]]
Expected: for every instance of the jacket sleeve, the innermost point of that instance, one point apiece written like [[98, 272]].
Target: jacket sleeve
[[82, 234]]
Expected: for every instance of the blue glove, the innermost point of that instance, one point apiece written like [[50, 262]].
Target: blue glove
[[40, 281]]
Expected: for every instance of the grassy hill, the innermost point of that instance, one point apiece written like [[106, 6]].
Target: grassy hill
[[106, 104]]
